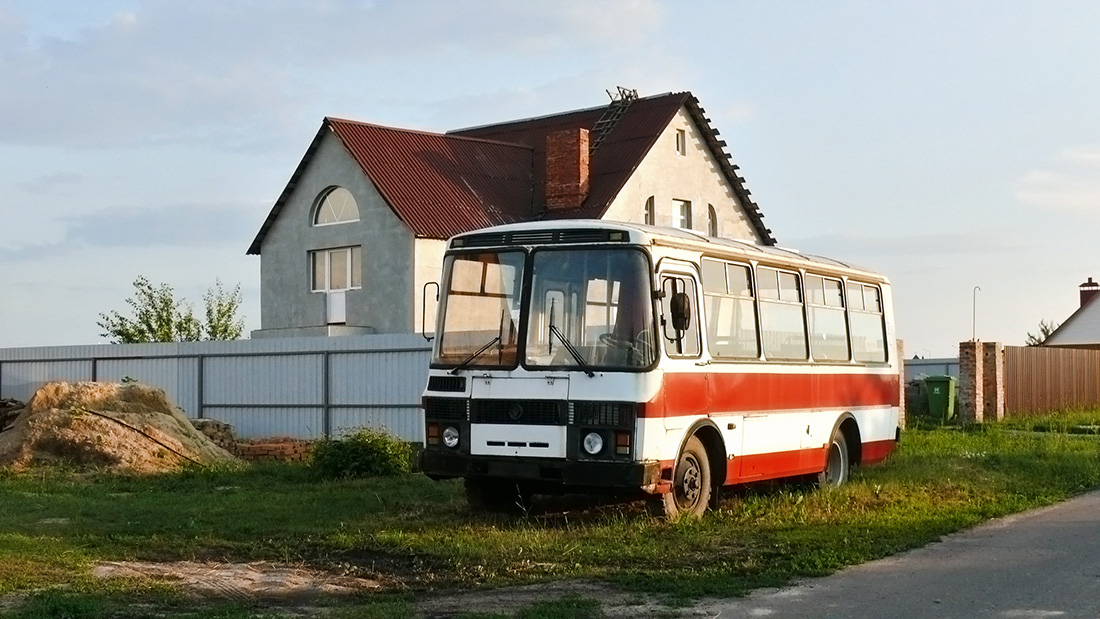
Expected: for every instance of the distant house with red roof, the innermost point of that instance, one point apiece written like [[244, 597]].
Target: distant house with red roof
[[362, 223], [1082, 328]]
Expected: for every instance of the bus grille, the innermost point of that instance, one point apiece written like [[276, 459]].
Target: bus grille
[[529, 412], [447, 383], [613, 414], [536, 237], [445, 408]]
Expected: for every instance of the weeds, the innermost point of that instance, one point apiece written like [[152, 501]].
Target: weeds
[[415, 534]]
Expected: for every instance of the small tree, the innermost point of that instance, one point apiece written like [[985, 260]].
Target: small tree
[[222, 322], [1045, 329], [160, 317]]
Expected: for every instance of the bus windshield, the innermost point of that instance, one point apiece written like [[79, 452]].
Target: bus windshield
[[587, 308], [590, 308], [481, 309]]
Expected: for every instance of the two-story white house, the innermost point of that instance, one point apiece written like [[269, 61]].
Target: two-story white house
[[362, 224]]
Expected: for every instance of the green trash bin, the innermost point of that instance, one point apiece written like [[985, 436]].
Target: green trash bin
[[941, 397]]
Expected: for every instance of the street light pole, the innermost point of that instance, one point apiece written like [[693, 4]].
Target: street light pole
[[974, 315]]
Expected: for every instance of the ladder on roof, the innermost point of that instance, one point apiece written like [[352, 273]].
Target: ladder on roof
[[619, 102]]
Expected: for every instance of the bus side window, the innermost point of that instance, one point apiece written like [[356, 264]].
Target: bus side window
[[680, 316], [730, 310], [868, 323], [783, 328]]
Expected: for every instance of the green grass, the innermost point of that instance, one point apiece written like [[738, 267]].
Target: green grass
[[415, 534]]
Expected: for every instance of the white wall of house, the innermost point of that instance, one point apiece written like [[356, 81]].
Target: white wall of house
[[384, 303], [694, 176]]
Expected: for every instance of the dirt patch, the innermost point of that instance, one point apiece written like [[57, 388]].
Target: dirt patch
[[128, 428], [242, 581]]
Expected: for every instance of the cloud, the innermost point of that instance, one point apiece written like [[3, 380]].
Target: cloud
[[1072, 188], [51, 183], [175, 226], [242, 74]]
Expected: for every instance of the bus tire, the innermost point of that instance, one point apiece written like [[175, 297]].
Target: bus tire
[[837, 464], [496, 496], [691, 483]]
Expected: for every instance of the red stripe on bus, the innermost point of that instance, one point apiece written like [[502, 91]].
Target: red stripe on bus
[[876, 451], [759, 467], [777, 465], [699, 393]]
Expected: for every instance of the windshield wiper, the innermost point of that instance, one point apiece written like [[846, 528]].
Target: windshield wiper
[[468, 360], [572, 351], [500, 336]]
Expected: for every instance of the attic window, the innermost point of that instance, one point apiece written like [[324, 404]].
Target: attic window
[[712, 221], [335, 205], [650, 215], [682, 214], [681, 142]]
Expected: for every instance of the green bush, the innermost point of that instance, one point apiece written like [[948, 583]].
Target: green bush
[[366, 453]]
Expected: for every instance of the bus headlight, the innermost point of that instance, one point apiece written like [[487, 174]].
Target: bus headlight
[[593, 443], [450, 436]]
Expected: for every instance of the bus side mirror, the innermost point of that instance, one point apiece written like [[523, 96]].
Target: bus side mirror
[[680, 306], [424, 309]]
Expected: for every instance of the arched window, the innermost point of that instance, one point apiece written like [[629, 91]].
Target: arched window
[[335, 205], [650, 216], [712, 221]]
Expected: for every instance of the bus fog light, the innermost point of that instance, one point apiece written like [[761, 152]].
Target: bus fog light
[[450, 436], [593, 443]]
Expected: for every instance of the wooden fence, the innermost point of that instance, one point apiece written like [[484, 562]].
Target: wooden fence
[[1041, 379]]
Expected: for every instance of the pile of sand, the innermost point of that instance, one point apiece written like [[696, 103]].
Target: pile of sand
[[129, 428]]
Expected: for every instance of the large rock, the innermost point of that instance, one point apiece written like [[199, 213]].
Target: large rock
[[129, 428]]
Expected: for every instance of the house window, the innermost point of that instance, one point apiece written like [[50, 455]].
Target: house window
[[335, 205], [336, 269], [650, 216], [682, 214], [712, 221], [681, 142]]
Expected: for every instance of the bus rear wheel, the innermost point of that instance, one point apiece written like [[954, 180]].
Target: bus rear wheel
[[837, 465], [496, 495], [691, 483]]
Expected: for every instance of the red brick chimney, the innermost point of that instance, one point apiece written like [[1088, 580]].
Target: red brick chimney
[[1089, 290], [566, 168]]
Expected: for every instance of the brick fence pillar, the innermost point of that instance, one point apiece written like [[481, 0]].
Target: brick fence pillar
[[993, 381], [971, 403]]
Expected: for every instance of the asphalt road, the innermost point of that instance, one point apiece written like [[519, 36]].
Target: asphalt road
[[1040, 564]]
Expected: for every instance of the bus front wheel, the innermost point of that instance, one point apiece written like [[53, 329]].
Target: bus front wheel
[[691, 483]]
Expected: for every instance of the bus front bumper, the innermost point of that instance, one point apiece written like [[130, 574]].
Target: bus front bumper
[[546, 472]]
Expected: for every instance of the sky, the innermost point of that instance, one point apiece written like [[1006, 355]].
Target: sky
[[953, 146]]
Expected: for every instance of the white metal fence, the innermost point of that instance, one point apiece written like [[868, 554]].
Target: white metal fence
[[299, 387]]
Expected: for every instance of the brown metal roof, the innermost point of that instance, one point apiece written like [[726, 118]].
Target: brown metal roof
[[440, 185], [621, 152], [444, 184], [611, 165]]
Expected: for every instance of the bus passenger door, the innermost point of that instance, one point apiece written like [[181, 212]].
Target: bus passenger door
[[685, 382]]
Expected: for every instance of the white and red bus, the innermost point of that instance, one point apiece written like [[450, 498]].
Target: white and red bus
[[594, 356]]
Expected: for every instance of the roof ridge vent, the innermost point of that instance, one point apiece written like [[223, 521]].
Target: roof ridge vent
[[619, 102]]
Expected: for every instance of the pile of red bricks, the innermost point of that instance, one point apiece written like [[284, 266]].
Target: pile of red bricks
[[281, 448]]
